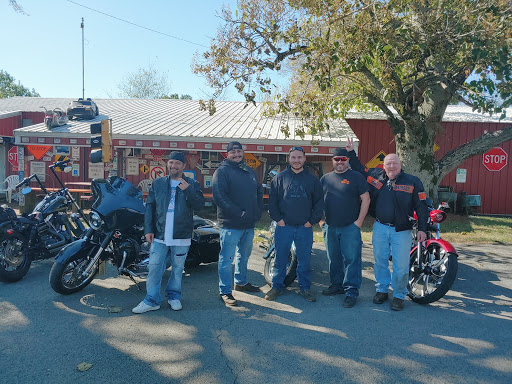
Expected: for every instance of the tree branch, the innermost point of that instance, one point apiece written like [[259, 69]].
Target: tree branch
[[475, 147]]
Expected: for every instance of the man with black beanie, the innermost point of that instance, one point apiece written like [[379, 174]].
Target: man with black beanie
[[239, 199]]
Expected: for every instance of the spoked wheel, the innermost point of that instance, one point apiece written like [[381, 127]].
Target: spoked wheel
[[15, 260], [69, 277], [433, 280], [291, 268]]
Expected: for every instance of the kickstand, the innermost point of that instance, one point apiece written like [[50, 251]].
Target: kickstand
[[132, 279]]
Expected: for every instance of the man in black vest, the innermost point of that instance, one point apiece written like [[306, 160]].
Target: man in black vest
[[395, 195]]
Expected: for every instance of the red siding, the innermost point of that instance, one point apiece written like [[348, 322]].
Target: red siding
[[36, 117], [9, 124], [495, 188]]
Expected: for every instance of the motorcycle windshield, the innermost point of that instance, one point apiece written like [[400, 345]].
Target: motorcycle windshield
[[116, 199]]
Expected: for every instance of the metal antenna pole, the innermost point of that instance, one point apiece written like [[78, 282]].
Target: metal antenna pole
[[83, 67]]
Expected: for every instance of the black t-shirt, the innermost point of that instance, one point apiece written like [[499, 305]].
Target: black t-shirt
[[342, 193], [385, 209]]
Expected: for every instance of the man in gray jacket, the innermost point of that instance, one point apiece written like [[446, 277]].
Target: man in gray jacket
[[239, 199], [168, 224]]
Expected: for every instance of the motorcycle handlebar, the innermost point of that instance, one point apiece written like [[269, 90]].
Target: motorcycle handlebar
[[24, 181], [59, 163]]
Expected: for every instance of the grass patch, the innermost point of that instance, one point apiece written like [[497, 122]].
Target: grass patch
[[455, 229]]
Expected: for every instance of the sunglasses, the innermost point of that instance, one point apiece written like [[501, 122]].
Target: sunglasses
[[340, 158], [296, 149]]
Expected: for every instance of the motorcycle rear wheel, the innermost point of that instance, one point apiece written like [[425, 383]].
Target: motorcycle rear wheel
[[15, 261], [291, 268], [429, 285], [67, 278]]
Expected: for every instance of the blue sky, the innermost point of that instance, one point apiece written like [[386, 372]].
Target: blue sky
[[44, 50]]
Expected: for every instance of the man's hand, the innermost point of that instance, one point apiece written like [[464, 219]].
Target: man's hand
[[359, 223], [321, 223], [350, 144], [183, 184], [422, 236], [150, 237], [308, 224], [281, 223]]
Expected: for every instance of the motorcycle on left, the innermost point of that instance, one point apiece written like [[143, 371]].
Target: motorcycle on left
[[54, 117], [42, 233]]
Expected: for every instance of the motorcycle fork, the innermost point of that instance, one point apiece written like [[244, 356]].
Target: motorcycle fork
[[96, 257]]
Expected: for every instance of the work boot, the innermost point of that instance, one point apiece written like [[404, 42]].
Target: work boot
[[333, 290], [228, 299], [380, 297], [273, 293], [308, 295], [397, 304], [349, 301], [246, 288]]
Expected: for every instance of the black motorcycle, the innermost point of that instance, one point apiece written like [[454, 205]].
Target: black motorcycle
[[41, 234], [117, 234]]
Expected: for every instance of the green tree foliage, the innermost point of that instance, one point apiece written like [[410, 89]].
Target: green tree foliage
[[9, 87], [406, 58]]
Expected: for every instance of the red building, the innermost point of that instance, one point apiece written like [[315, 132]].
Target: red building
[[146, 130]]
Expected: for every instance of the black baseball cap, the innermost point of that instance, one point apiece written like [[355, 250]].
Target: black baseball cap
[[234, 145]]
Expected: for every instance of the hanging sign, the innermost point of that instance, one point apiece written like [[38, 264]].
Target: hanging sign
[[377, 161], [251, 160], [38, 151], [156, 172]]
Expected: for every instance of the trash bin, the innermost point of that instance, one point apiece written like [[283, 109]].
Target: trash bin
[[470, 202], [30, 202], [450, 198]]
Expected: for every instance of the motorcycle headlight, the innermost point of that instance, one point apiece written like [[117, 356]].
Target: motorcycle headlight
[[95, 221]]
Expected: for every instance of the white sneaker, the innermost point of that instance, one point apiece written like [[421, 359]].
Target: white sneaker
[[175, 304], [143, 307]]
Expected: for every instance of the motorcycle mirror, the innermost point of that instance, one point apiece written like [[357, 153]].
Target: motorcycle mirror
[[68, 169], [26, 190]]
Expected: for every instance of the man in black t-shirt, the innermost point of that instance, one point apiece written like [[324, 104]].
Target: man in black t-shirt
[[346, 201]]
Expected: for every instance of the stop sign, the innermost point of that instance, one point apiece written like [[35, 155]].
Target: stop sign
[[496, 159], [12, 156]]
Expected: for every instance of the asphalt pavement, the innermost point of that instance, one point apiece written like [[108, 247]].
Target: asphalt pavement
[[466, 337]]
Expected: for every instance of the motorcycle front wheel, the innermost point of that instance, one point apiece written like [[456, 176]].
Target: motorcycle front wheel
[[68, 277], [15, 261], [431, 283], [291, 268]]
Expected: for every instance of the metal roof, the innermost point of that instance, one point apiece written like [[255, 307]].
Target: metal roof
[[171, 119], [178, 119]]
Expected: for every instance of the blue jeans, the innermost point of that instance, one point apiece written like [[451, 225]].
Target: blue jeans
[[303, 238], [231, 241], [387, 241], [344, 246], [158, 254]]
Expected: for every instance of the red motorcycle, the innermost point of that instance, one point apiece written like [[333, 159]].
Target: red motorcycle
[[433, 263], [54, 117]]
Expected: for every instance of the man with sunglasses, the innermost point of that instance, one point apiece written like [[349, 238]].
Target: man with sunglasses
[[346, 201], [395, 195], [295, 204]]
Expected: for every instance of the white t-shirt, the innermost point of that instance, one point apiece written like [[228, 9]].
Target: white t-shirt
[[169, 222]]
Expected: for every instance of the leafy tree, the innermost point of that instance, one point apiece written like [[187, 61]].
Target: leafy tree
[[9, 88], [415, 56], [17, 7], [176, 96], [145, 83]]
